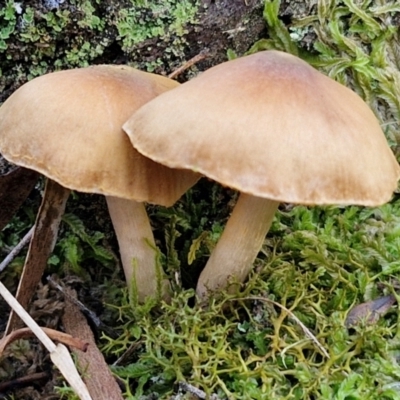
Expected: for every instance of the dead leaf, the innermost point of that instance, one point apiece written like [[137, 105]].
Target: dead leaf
[[371, 311]]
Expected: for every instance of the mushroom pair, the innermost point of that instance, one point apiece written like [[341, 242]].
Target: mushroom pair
[[68, 126], [277, 130]]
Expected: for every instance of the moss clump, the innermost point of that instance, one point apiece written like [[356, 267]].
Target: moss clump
[[318, 264], [156, 28]]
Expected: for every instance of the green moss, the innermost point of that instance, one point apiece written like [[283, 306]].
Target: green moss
[[155, 24], [46, 36], [317, 263]]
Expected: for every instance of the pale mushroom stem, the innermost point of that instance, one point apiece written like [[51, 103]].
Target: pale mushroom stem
[[239, 244], [137, 247]]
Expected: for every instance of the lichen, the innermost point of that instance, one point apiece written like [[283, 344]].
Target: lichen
[[41, 37]]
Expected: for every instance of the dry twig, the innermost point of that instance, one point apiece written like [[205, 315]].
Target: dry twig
[[307, 332], [188, 64], [97, 322], [185, 387], [15, 251], [58, 353], [41, 245], [51, 333], [23, 381]]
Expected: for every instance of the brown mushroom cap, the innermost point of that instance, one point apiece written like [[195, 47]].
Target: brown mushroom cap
[[67, 125], [272, 126]]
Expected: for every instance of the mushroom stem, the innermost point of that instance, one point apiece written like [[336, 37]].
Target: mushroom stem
[[239, 244], [137, 247]]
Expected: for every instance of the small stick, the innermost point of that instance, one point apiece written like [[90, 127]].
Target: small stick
[[95, 319], [25, 380], [307, 332], [51, 333], [127, 353], [15, 251], [197, 392], [86, 311], [201, 56], [41, 245], [58, 353]]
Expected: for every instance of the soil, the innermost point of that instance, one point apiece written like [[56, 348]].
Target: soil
[[226, 24]]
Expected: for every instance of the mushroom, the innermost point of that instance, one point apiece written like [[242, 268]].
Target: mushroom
[[277, 130], [67, 125]]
